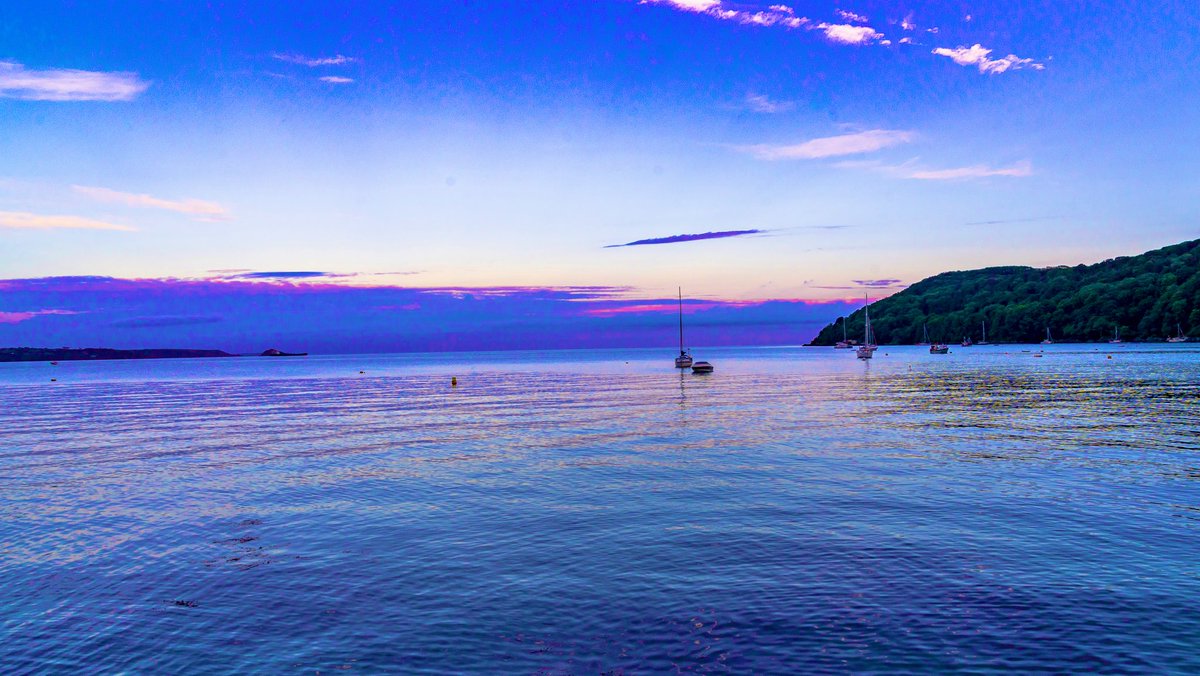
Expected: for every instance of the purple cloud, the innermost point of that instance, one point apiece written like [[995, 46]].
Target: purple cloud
[[327, 316], [164, 320], [287, 274], [675, 239], [876, 283]]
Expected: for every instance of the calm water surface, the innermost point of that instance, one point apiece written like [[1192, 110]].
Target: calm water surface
[[798, 511]]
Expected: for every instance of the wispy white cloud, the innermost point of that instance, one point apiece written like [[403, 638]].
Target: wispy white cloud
[[315, 61], [23, 220], [198, 209], [907, 22], [1018, 170], [832, 146], [851, 16], [912, 170], [781, 15], [760, 103], [60, 84], [977, 56], [334, 79]]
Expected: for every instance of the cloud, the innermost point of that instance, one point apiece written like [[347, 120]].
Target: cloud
[[164, 320], [199, 209], [334, 79], [781, 15], [289, 274], [314, 62], [907, 22], [851, 16], [760, 103], [850, 35], [248, 316], [1018, 170], [18, 317], [876, 283], [59, 84], [27, 221], [832, 146], [977, 56], [691, 5], [910, 170], [1011, 220], [675, 239]]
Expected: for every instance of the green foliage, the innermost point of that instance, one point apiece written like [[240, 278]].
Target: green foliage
[[1145, 296]]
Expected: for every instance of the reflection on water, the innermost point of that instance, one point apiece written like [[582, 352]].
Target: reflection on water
[[796, 511]]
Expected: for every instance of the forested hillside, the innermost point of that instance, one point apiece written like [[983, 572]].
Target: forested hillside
[[1145, 296]]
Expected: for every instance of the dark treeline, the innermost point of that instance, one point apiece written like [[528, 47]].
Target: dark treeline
[[1144, 296], [99, 353]]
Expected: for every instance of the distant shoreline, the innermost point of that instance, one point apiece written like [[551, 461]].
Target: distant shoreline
[[26, 354]]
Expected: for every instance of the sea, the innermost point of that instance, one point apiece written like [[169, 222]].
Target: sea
[[797, 511]]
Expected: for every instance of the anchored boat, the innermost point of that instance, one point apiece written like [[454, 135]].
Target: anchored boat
[[684, 359]]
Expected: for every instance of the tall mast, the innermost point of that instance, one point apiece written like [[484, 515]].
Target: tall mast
[[866, 320], [680, 320]]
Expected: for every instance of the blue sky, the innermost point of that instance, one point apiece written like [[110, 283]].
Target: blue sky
[[473, 144]]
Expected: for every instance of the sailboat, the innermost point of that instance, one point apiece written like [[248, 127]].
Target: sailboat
[[924, 335], [1116, 335], [983, 338], [868, 348], [1048, 340], [1178, 337], [684, 359], [844, 343]]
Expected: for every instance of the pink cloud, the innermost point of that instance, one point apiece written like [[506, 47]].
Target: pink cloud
[[18, 317]]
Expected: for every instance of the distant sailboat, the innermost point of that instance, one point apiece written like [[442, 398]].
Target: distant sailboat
[[1178, 337], [924, 334], [684, 359], [1116, 335], [983, 338], [868, 348], [844, 343], [1048, 340]]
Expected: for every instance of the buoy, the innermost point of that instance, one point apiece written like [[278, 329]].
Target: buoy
[[453, 381], [362, 371], [1110, 356], [54, 380]]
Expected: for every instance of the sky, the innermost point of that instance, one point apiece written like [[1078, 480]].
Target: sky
[[553, 171]]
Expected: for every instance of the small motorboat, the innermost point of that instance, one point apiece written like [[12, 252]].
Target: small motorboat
[[702, 367], [938, 348]]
